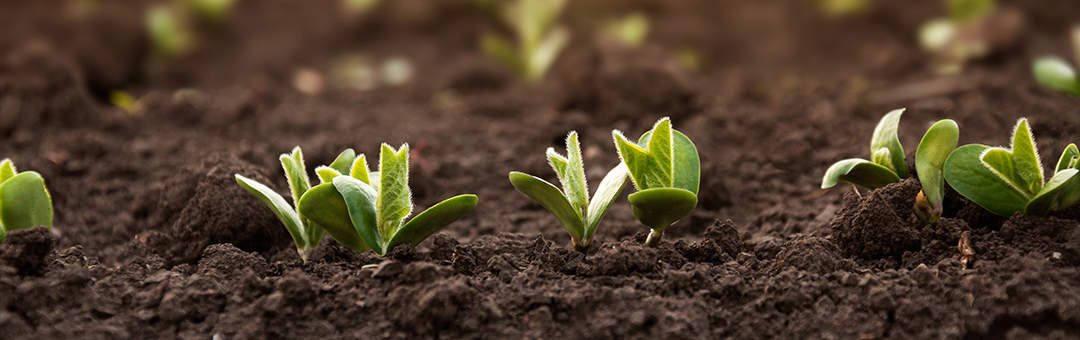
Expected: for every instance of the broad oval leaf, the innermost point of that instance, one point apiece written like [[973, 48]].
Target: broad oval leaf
[[360, 201], [859, 172], [965, 172], [661, 207], [1018, 165], [885, 136], [431, 220], [552, 199], [25, 202], [1056, 74], [7, 170], [936, 145], [1070, 158], [609, 189], [324, 206], [278, 205], [1060, 192]]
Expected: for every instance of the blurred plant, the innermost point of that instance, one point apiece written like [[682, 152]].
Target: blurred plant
[[1006, 181], [972, 30], [630, 30], [358, 207], [571, 205], [24, 201], [666, 171], [540, 37], [837, 8], [127, 102], [170, 33], [689, 59], [1056, 73], [355, 7], [211, 10], [305, 233]]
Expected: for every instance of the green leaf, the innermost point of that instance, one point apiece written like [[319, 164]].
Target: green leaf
[[687, 164], [1062, 191], [552, 199], [324, 206], [651, 168], [963, 11], [296, 173], [1019, 165], [630, 30], [661, 207], [360, 200], [885, 136], [7, 170], [326, 174], [546, 52], [965, 172], [279, 206], [395, 198], [503, 51], [609, 189], [571, 173], [1070, 159], [859, 172], [25, 203], [1056, 74], [359, 170], [344, 161], [936, 145], [431, 220]]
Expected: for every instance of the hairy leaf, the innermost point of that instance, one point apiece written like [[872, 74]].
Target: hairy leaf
[[609, 189], [325, 206], [279, 206], [394, 197], [661, 207], [296, 173], [7, 170], [552, 199], [1057, 74], [1019, 165], [344, 161], [571, 173], [964, 171], [326, 174], [885, 137], [431, 220], [1061, 191], [359, 170]]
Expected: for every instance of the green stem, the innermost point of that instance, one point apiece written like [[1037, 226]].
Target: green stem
[[582, 247], [654, 238]]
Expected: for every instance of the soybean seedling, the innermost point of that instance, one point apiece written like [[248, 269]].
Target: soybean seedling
[[958, 38], [887, 164], [305, 233], [666, 171], [24, 201], [1006, 181], [372, 207], [1056, 73], [170, 32], [540, 38], [571, 206], [936, 145]]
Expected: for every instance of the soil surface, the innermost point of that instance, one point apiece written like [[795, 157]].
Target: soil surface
[[153, 239]]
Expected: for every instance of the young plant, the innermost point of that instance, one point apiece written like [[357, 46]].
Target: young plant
[[630, 30], [959, 37], [666, 171], [936, 145], [24, 201], [359, 207], [305, 233], [1056, 73], [540, 38], [571, 205], [887, 166], [170, 32], [1006, 181]]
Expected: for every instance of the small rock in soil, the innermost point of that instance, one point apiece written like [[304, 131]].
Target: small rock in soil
[[26, 249]]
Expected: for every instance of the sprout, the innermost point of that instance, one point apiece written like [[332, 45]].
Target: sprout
[[887, 165], [1006, 181], [838, 8], [1056, 73], [24, 201], [961, 36], [630, 30], [571, 205], [304, 232], [170, 33], [540, 38], [212, 10], [127, 102], [935, 147], [370, 208], [666, 171]]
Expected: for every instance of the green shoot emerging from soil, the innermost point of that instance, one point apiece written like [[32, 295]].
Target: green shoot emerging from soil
[[540, 38], [362, 209], [24, 201], [888, 164], [630, 30], [170, 33], [666, 171], [936, 145], [571, 205], [1006, 181], [1056, 73], [305, 234]]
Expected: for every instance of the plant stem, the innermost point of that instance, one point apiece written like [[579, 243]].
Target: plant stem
[[654, 238], [581, 246]]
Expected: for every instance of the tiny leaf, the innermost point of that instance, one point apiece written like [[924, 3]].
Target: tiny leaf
[[661, 207], [295, 173], [609, 189], [571, 173], [965, 172], [885, 136], [1070, 158], [325, 206], [1061, 191], [344, 161], [7, 170], [1056, 74], [359, 170], [552, 199], [25, 202], [431, 220], [936, 145], [278, 205], [859, 172], [394, 197]]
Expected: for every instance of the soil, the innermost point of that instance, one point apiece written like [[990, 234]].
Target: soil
[[152, 238]]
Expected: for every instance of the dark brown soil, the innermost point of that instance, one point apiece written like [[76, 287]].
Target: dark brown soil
[[153, 240]]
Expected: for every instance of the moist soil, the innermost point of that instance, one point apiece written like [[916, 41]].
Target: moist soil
[[153, 239]]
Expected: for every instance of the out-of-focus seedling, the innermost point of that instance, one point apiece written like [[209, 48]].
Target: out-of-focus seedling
[[372, 207], [540, 37], [1056, 73], [887, 165], [170, 33], [1005, 181], [127, 102], [973, 29], [936, 145], [211, 10], [630, 30], [579, 215], [666, 171], [838, 8], [305, 233], [355, 7], [24, 201]]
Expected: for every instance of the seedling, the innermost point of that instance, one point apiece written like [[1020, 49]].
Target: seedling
[[540, 38], [630, 30], [211, 10], [571, 205], [305, 233], [956, 39], [1056, 73], [887, 165], [370, 208], [170, 33], [838, 8], [666, 171], [1006, 181], [935, 147], [24, 201]]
